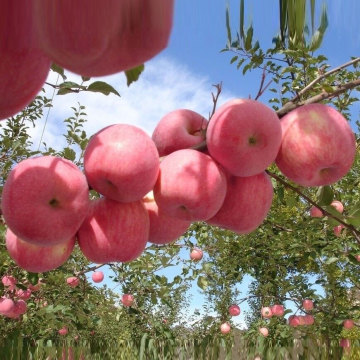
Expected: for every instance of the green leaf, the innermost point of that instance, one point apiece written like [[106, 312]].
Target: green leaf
[[228, 26], [331, 260], [58, 69], [142, 346], [65, 91], [249, 36], [102, 87], [133, 75], [233, 59], [325, 195], [69, 84], [69, 154], [202, 282], [354, 218]]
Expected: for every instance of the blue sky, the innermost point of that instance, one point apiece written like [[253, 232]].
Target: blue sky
[[183, 74]]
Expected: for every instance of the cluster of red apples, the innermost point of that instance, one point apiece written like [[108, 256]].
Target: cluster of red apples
[[152, 189], [103, 40]]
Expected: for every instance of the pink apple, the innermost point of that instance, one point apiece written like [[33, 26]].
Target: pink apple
[[348, 324], [23, 294], [116, 36], [121, 162], [266, 312], [357, 257], [191, 186], [196, 254], [114, 231], [179, 129], [308, 319], [244, 136], [127, 299], [97, 276], [247, 202], [337, 230], [234, 310], [37, 258], [9, 281], [63, 331], [164, 229], [225, 328], [23, 67], [318, 145], [45, 199], [264, 331], [338, 206], [73, 281], [345, 343], [277, 310], [294, 320], [316, 212], [307, 304], [6, 306]]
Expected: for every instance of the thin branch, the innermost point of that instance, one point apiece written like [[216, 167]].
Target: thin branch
[[293, 188], [263, 88], [215, 98], [322, 76], [289, 106], [95, 267]]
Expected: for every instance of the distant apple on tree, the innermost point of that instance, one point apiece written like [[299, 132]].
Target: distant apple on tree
[[225, 328], [73, 281], [97, 276], [234, 310], [196, 254], [127, 300]]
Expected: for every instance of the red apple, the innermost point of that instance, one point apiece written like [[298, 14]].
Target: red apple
[[225, 328], [97, 276], [23, 294], [316, 212], [345, 343], [266, 312], [179, 129], [247, 202], [6, 306], [127, 299], [264, 331], [357, 257], [23, 67], [45, 199], [294, 320], [114, 231], [234, 310], [337, 230], [73, 281], [37, 258], [106, 39], [348, 324], [244, 136], [191, 186], [338, 206], [196, 254], [318, 145], [63, 331], [164, 229], [19, 308], [308, 304], [121, 162], [9, 281], [277, 310]]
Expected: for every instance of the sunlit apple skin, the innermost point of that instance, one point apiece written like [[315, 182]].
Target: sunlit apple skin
[[73, 281], [106, 39], [345, 343], [277, 310], [179, 129], [294, 320], [225, 328], [114, 231], [308, 304], [266, 312], [23, 66], [244, 136], [318, 145], [121, 162], [6, 305], [45, 199], [315, 212], [20, 308], [191, 186], [264, 331], [309, 319], [234, 310], [127, 300], [338, 206], [348, 324], [97, 276], [63, 331], [36, 258], [164, 229], [247, 202], [337, 230], [196, 254]]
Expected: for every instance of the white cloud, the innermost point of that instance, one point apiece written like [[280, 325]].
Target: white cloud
[[165, 85]]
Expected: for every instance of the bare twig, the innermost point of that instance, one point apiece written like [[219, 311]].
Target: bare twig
[[319, 97], [215, 98], [322, 76], [263, 88], [95, 267]]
